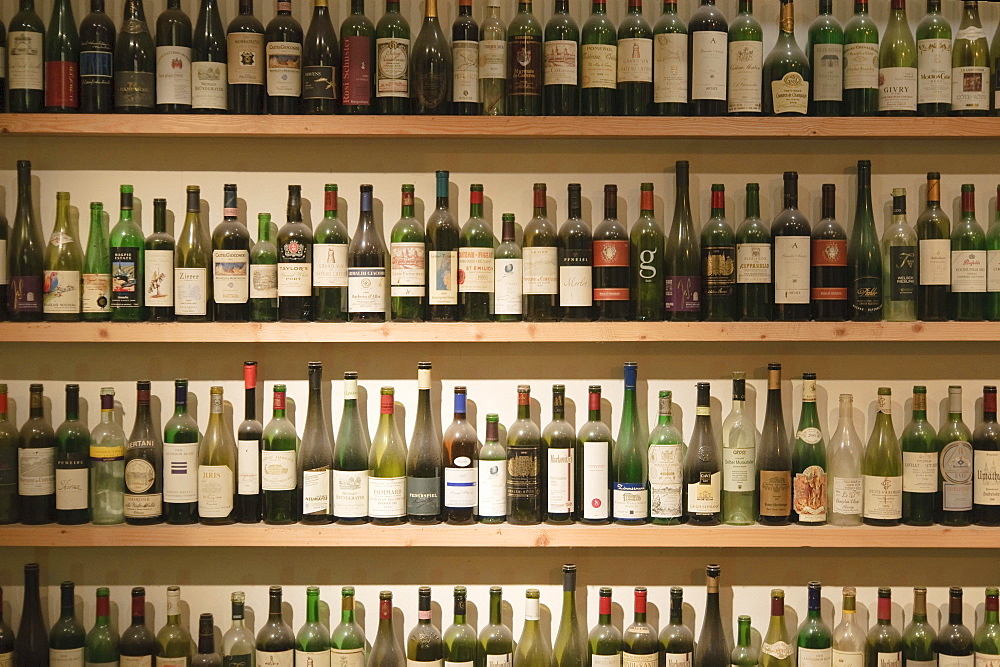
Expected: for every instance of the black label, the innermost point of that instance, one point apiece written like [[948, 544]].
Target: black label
[[902, 273], [576, 257], [719, 264], [423, 496], [319, 82], [135, 89], [125, 278], [523, 472], [867, 293]]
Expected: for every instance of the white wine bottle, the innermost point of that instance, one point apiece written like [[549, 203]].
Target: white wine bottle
[[424, 459], [387, 468], [315, 455], [191, 260], [217, 467], [882, 468]]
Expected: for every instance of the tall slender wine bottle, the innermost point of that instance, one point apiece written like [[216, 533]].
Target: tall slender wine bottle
[[845, 486], [646, 242], [790, 233], [62, 60], [138, 641], [31, 644], [320, 63], [809, 462], [181, 439], [774, 458], [861, 83], [358, 44], [295, 252], [26, 62], [245, 71], [897, 73], [882, 469], [754, 292], [560, 448], [442, 239], [718, 262], [507, 275], [134, 63], [385, 651], [431, 66], [366, 268], [264, 273], [593, 465], [920, 464], [408, 255], [739, 456], [934, 62], [825, 50], [525, 465], [492, 475], [712, 648], [775, 649], [96, 277], [493, 61], [350, 460], [36, 460], [605, 640], [25, 252], [158, 287], [934, 253], [475, 261], [248, 448], [525, 69], [864, 259], [71, 464], [460, 474], [707, 62], [143, 465], [424, 460], [387, 467], [666, 454], [496, 641], [703, 467], [599, 63], [173, 60], [848, 637], [347, 639], [746, 62], [315, 457], [230, 263], [682, 260], [635, 63], [559, 54], [630, 469], [883, 643], [787, 73], [540, 253], [102, 645], [567, 650], [532, 647], [986, 445], [968, 262], [209, 62], [275, 640], [278, 464], [576, 262], [62, 266], [829, 263], [970, 65], [459, 640], [815, 641], [899, 264], [955, 466], [918, 636], [954, 641], [330, 261], [611, 262], [465, 63], [192, 257], [283, 38]]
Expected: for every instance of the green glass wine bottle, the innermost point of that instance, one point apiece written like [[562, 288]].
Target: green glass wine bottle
[[312, 643], [599, 63], [754, 292], [666, 455], [275, 640], [524, 63], [646, 241], [809, 468], [264, 273], [460, 643], [465, 62], [815, 641], [992, 308], [561, 81], [920, 464], [278, 464], [882, 468], [96, 278], [787, 74], [8, 463], [230, 260], [159, 274], [560, 447], [897, 73], [825, 49], [525, 465], [605, 640], [442, 240], [347, 639], [127, 264], [533, 648], [496, 641], [884, 644], [682, 260], [407, 291], [743, 654], [67, 638], [746, 62], [630, 499], [540, 252], [72, 454], [934, 62], [173, 640], [392, 53], [968, 262], [475, 261], [640, 645], [138, 641], [861, 63], [775, 648], [507, 275], [567, 651], [350, 460], [708, 38], [864, 257], [330, 242], [423, 644], [670, 63], [635, 63], [987, 638], [676, 639], [918, 635], [970, 65], [718, 262], [192, 291], [181, 439], [492, 475], [387, 467], [899, 264], [431, 68], [102, 640], [26, 64]]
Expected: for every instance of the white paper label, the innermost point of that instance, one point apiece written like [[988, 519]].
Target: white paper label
[[676, 659], [460, 486], [791, 269], [159, 277], [576, 286], [354, 657], [986, 484], [708, 65], [350, 494], [599, 66], [606, 660], [465, 71], [330, 265], [246, 58], [4, 276], [670, 72], [630, 501], [277, 470], [36, 474], [993, 270], [753, 263], [968, 270], [746, 63], [560, 481], [507, 273], [62, 292], [898, 89], [279, 659], [984, 660], [180, 472], [231, 279], [493, 59], [190, 291], [596, 492], [666, 480], [738, 463], [408, 263], [97, 290], [67, 657], [294, 279], [889, 659], [639, 660], [815, 657], [442, 276], [25, 59], [541, 270], [215, 491], [955, 465], [848, 658], [950, 661], [492, 488], [935, 262], [316, 491], [173, 75], [560, 58], [208, 85], [248, 467], [828, 72], [790, 94], [312, 658], [71, 489], [136, 661], [934, 71], [705, 496], [883, 497], [506, 660], [920, 472], [475, 269], [970, 88], [263, 281], [635, 59], [284, 69], [366, 289], [860, 66], [386, 497], [848, 495]]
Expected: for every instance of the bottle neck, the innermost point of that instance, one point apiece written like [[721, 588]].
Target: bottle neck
[[347, 609], [35, 410], [312, 609], [743, 633], [753, 203], [159, 218], [594, 407], [676, 611], [524, 406], [601, 7], [279, 405], [955, 611], [718, 204], [496, 608], [475, 203], [138, 610], [103, 610], [611, 203], [263, 230], [274, 609], [294, 210], [575, 205], [67, 603]]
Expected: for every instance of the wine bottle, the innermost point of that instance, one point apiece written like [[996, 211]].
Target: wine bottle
[[676, 641], [25, 254], [295, 254], [774, 458], [330, 261], [431, 66], [441, 240], [640, 645], [567, 651], [612, 272], [312, 643], [358, 44], [36, 460], [861, 60], [209, 62], [630, 469], [206, 656], [718, 262], [524, 63], [423, 644], [532, 647], [245, 71], [712, 647], [986, 445], [62, 60], [968, 262], [670, 63], [682, 261], [848, 637], [138, 641], [62, 266], [8, 463], [593, 468], [920, 464], [71, 464], [540, 254], [67, 638], [315, 457], [576, 259], [955, 466], [173, 60], [605, 640], [347, 639], [666, 454], [825, 49], [173, 640], [283, 37], [599, 63], [754, 292], [278, 465], [158, 289], [366, 268], [882, 470], [492, 475], [918, 636], [970, 65], [191, 261], [217, 466], [899, 251], [26, 70], [507, 274], [350, 460], [493, 61], [407, 252], [845, 486], [815, 641], [275, 641], [954, 642], [31, 644], [460, 644], [320, 64], [496, 642], [465, 63], [707, 62], [107, 465], [560, 447], [703, 467], [743, 653], [864, 259], [883, 643], [775, 649], [559, 53], [460, 474], [787, 73], [181, 442], [230, 263], [646, 243], [525, 465], [898, 66], [739, 455], [790, 249], [387, 468], [475, 261], [424, 460], [392, 46], [102, 642], [934, 62], [135, 63], [95, 279], [987, 634], [746, 62], [143, 499], [127, 265], [992, 307], [248, 448], [264, 273], [829, 263], [635, 63], [385, 651], [934, 252], [809, 463]]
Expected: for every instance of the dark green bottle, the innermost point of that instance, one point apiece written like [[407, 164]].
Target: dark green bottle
[[102, 641], [72, 464], [861, 63], [708, 35], [62, 60], [670, 67], [173, 46], [357, 62], [25, 65], [475, 261], [864, 258], [646, 241], [540, 250], [159, 275], [526, 465], [787, 75], [465, 63], [366, 266], [825, 50], [524, 63], [718, 263], [576, 262], [814, 638], [968, 262], [441, 239], [135, 63], [431, 66], [392, 46], [934, 62], [181, 438], [230, 263], [408, 282], [754, 289], [919, 444], [746, 64], [993, 254], [127, 264], [598, 63], [264, 273], [682, 272], [919, 636], [330, 242], [562, 39], [67, 638], [635, 63]]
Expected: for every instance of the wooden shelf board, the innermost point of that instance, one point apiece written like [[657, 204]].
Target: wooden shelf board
[[496, 332], [502, 536], [487, 127]]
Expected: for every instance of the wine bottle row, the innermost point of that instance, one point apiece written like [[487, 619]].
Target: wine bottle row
[[812, 644], [707, 67], [786, 271], [558, 475]]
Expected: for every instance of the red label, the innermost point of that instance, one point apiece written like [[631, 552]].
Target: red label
[[640, 602], [279, 400], [524, 63], [646, 200], [884, 609], [387, 404], [407, 199], [330, 200], [3, 404], [62, 84], [523, 398], [356, 70], [829, 252], [611, 294], [605, 606], [610, 253], [594, 402], [385, 609], [718, 199], [829, 293], [475, 196], [540, 198], [250, 376]]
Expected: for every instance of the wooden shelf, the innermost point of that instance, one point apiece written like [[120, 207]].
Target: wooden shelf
[[502, 536], [495, 332], [486, 127]]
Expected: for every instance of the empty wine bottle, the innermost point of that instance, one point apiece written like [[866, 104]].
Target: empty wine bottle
[[330, 261], [102, 645], [630, 476], [968, 262], [230, 263], [387, 468], [828, 286], [992, 309], [825, 50], [71, 465], [712, 647], [424, 645], [790, 248], [605, 640], [31, 645], [739, 457], [599, 63], [275, 640], [746, 63], [774, 458], [562, 37], [493, 61], [593, 464], [217, 467], [96, 277], [460, 474], [441, 240], [248, 446], [25, 254], [920, 464], [347, 639], [955, 466], [36, 458], [67, 638], [567, 650], [350, 460], [62, 264], [676, 640], [754, 290], [107, 465], [525, 466], [919, 636], [8, 463], [861, 84], [507, 274], [934, 62], [264, 273], [366, 266], [524, 63], [576, 262], [392, 49], [385, 648], [62, 60], [283, 36], [787, 74], [475, 261], [845, 486], [970, 65], [612, 273], [134, 63], [986, 443], [848, 637], [703, 467], [245, 71], [312, 643], [424, 458], [809, 467], [491, 482], [882, 469], [532, 647], [899, 253], [173, 60], [743, 653], [431, 66], [143, 465], [635, 63], [815, 641], [206, 656], [560, 447], [775, 649], [646, 242], [986, 633], [864, 259], [465, 99], [278, 465], [897, 66], [934, 252], [707, 62], [640, 645], [138, 641], [320, 64], [295, 254], [408, 262], [540, 252], [181, 438], [718, 262], [954, 642], [192, 258], [682, 261], [158, 291], [209, 62], [26, 71]]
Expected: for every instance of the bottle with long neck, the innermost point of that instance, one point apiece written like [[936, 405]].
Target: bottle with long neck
[[245, 46], [787, 73], [26, 64], [882, 468], [102, 641], [815, 641], [754, 289], [313, 640], [275, 641], [424, 645], [562, 36], [173, 639], [96, 278], [392, 45], [666, 455], [320, 62], [507, 274], [264, 273], [97, 43], [954, 642], [138, 640], [670, 46], [36, 457], [62, 264], [532, 647], [524, 63], [424, 461], [143, 502], [639, 642], [238, 642], [408, 283], [970, 65], [347, 639], [387, 467], [158, 292], [920, 464], [540, 253], [496, 642], [560, 446], [350, 460], [441, 240], [718, 262], [968, 262], [209, 60], [746, 63], [31, 644], [790, 234], [604, 640], [248, 446], [703, 467], [707, 72], [576, 262], [134, 63], [676, 640], [630, 470], [955, 466], [992, 307], [460, 475], [864, 260], [883, 643], [775, 649], [682, 261], [385, 650], [567, 651], [475, 258], [635, 63], [809, 462], [25, 253], [646, 244], [283, 37], [829, 262], [525, 465], [173, 60], [986, 446], [493, 61], [366, 273], [825, 49], [934, 251], [897, 65], [191, 261], [357, 59], [460, 645], [739, 456], [217, 467], [774, 458], [180, 456], [230, 263], [861, 89], [712, 647], [315, 457], [918, 636], [67, 638], [330, 260], [294, 244], [127, 264], [848, 637], [899, 264], [844, 482], [934, 62]]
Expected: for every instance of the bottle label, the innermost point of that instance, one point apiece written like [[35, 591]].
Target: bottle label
[[848, 658], [635, 60], [277, 470], [630, 501], [101, 452], [68, 657], [263, 281], [138, 661], [883, 497], [135, 90], [828, 72], [971, 33], [492, 59], [902, 273], [611, 254], [576, 281], [180, 472], [248, 467], [790, 94], [783, 650], [408, 265], [3, 62], [670, 73], [809, 492], [867, 294], [524, 56], [231, 282], [443, 277], [982, 660], [71, 487], [350, 494], [956, 467], [708, 65], [860, 66], [424, 663], [423, 496], [889, 659], [634, 660], [142, 506], [560, 481], [492, 488], [87, 663], [775, 492], [353, 657], [294, 279], [475, 269], [270, 659], [599, 66], [124, 275], [719, 266], [507, 273], [61, 292], [316, 491], [682, 294], [62, 89], [986, 486], [4, 277], [215, 491], [670, 659], [25, 70], [740, 475], [832, 253], [159, 275], [96, 296], [970, 88], [191, 291], [284, 69], [208, 85], [560, 57], [541, 270], [993, 270], [705, 496], [848, 495], [791, 269], [920, 472], [319, 82], [523, 472], [36, 471], [596, 493], [465, 71], [506, 660], [935, 261], [173, 75], [746, 62], [140, 475], [968, 270], [898, 89], [312, 658], [393, 57], [386, 497], [460, 486], [330, 265], [753, 263], [934, 71], [246, 58], [812, 657]]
